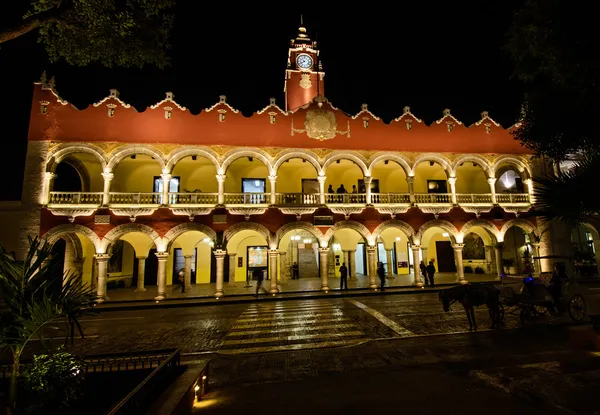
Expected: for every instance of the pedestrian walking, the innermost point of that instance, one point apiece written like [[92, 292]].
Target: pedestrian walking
[[181, 278], [343, 276], [295, 271], [381, 274], [424, 272], [431, 273], [259, 276]]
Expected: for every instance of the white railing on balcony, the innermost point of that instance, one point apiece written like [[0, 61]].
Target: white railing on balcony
[[474, 198], [119, 198], [433, 198], [247, 198], [390, 198], [512, 198], [193, 198], [75, 198], [346, 198], [297, 199]]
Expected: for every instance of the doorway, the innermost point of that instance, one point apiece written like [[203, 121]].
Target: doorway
[[213, 268], [151, 271], [179, 263], [445, 256], [360, 259]]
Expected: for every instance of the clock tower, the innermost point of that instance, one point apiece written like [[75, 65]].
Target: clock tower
[[304, 74]]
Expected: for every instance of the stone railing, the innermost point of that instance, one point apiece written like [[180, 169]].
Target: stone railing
[[474, 198], [509, 198], [346, 198], [297, 199], [433, 198], [247, 198], [390, 198], [193, 198], [75, 198], [118, 198]]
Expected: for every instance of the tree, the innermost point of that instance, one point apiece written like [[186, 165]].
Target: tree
[[31, 304], [112, 32]]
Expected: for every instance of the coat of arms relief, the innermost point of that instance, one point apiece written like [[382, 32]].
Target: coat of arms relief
[[320, 124]]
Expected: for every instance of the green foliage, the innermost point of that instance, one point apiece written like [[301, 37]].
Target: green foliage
[[55, 381], [126, 33]]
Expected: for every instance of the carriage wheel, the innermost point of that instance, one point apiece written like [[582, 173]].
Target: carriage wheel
[[526, 315], [540, 309], [577, 307]]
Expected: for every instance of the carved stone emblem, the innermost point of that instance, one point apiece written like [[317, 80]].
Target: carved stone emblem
[[305, 81], [320, 124]]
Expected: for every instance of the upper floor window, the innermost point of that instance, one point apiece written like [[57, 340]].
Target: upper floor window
[[173, 184]]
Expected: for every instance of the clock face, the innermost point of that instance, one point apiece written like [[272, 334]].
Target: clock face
[[304, 61]]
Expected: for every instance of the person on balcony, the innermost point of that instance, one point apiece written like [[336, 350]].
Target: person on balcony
[[354, 199], [330, 191], [340, 191]]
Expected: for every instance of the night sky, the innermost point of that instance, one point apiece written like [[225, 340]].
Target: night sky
[[430, 56]]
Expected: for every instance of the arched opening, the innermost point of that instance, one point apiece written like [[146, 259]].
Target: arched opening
[[197, 178], [436, 248], [471, 178], [77, 255], [247, 182], [586, 242], [393, 250], [297, 183], [345, 183], [390, 179], [191, 252], [299, 256], [479, 261], [348, 246], [517, 252], [77, 172], [509, 180], [139, 173], [431, 183], [248, 250]]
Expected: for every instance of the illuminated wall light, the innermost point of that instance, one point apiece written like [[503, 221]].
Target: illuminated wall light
[[397, 238], [445, 234]]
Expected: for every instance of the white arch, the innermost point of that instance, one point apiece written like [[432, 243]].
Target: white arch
[[249, 226], [299, 225], [175, 232], [491, 229], [235, 154], [480, 161], [438, 223], [57, 232], [353, 156], [395, 224], [443, 161], [521, 165], [349, 224], [403, 162], [176, 155], [130, 150], [58, 154], [525, 225], [115, 233], [294, 153]]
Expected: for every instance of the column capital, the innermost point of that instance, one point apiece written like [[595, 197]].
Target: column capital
[[273, 253], [219, 253], [367, 179], [166, 176], [458, 247], [371, 249], [141, 258], [273, 178], [498, 245], [49, 175], [188, 256], [162, 256], [323, 250], [416, 248], [102, 257], [491, 180], [321, 179], [452, 180], [233, 254], [410, 179], [221, 178], [108, 176]]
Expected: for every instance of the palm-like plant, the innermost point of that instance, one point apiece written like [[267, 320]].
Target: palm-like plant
[[33, 295], [570, 196]]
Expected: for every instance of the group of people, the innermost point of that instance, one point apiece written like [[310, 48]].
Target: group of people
[[344, 276], [428, 272]]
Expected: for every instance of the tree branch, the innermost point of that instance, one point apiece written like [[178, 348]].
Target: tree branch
[[31, 23]]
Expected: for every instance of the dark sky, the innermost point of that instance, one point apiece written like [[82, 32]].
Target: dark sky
[[429, 55]]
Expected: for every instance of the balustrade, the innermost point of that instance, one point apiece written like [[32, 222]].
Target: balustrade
[[346, 198], [512, 197], [247, 198], [433, 198], [390, 198], [297, 198], [474, 198], [75, 198], [193, 198], [118, 198]]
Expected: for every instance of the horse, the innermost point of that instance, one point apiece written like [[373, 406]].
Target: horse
[[473, 295]]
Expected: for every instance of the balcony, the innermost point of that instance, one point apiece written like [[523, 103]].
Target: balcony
[[474, 199], [346, 199], [193, 199], [390, 198], [75, 198], [252, 199], [433, 198], [297, 199], [512, 198]]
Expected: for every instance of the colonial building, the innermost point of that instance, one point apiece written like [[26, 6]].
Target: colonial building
[[137, 196]]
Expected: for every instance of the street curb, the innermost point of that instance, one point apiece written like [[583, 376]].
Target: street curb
[[250, 298]]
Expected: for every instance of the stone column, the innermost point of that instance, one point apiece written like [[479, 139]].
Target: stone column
[[102, 261], [284, 266], [528, 183], [321, 180], [390, 272], [141, 273], [492, 182], [367, 180], [535, 248], [411, 188], [499, 265], [490, 261], [78, 264], [221, 182], [166, 180], [352, 262], [108, 176], [452, 181], [273, 180], [372, 260], [273, 262], [347, 260], [416, 269], [424, 254], [458, 257], [187, 273], [161, 277], [232, 266], [220, 259], [48, 182], [323, 252]]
